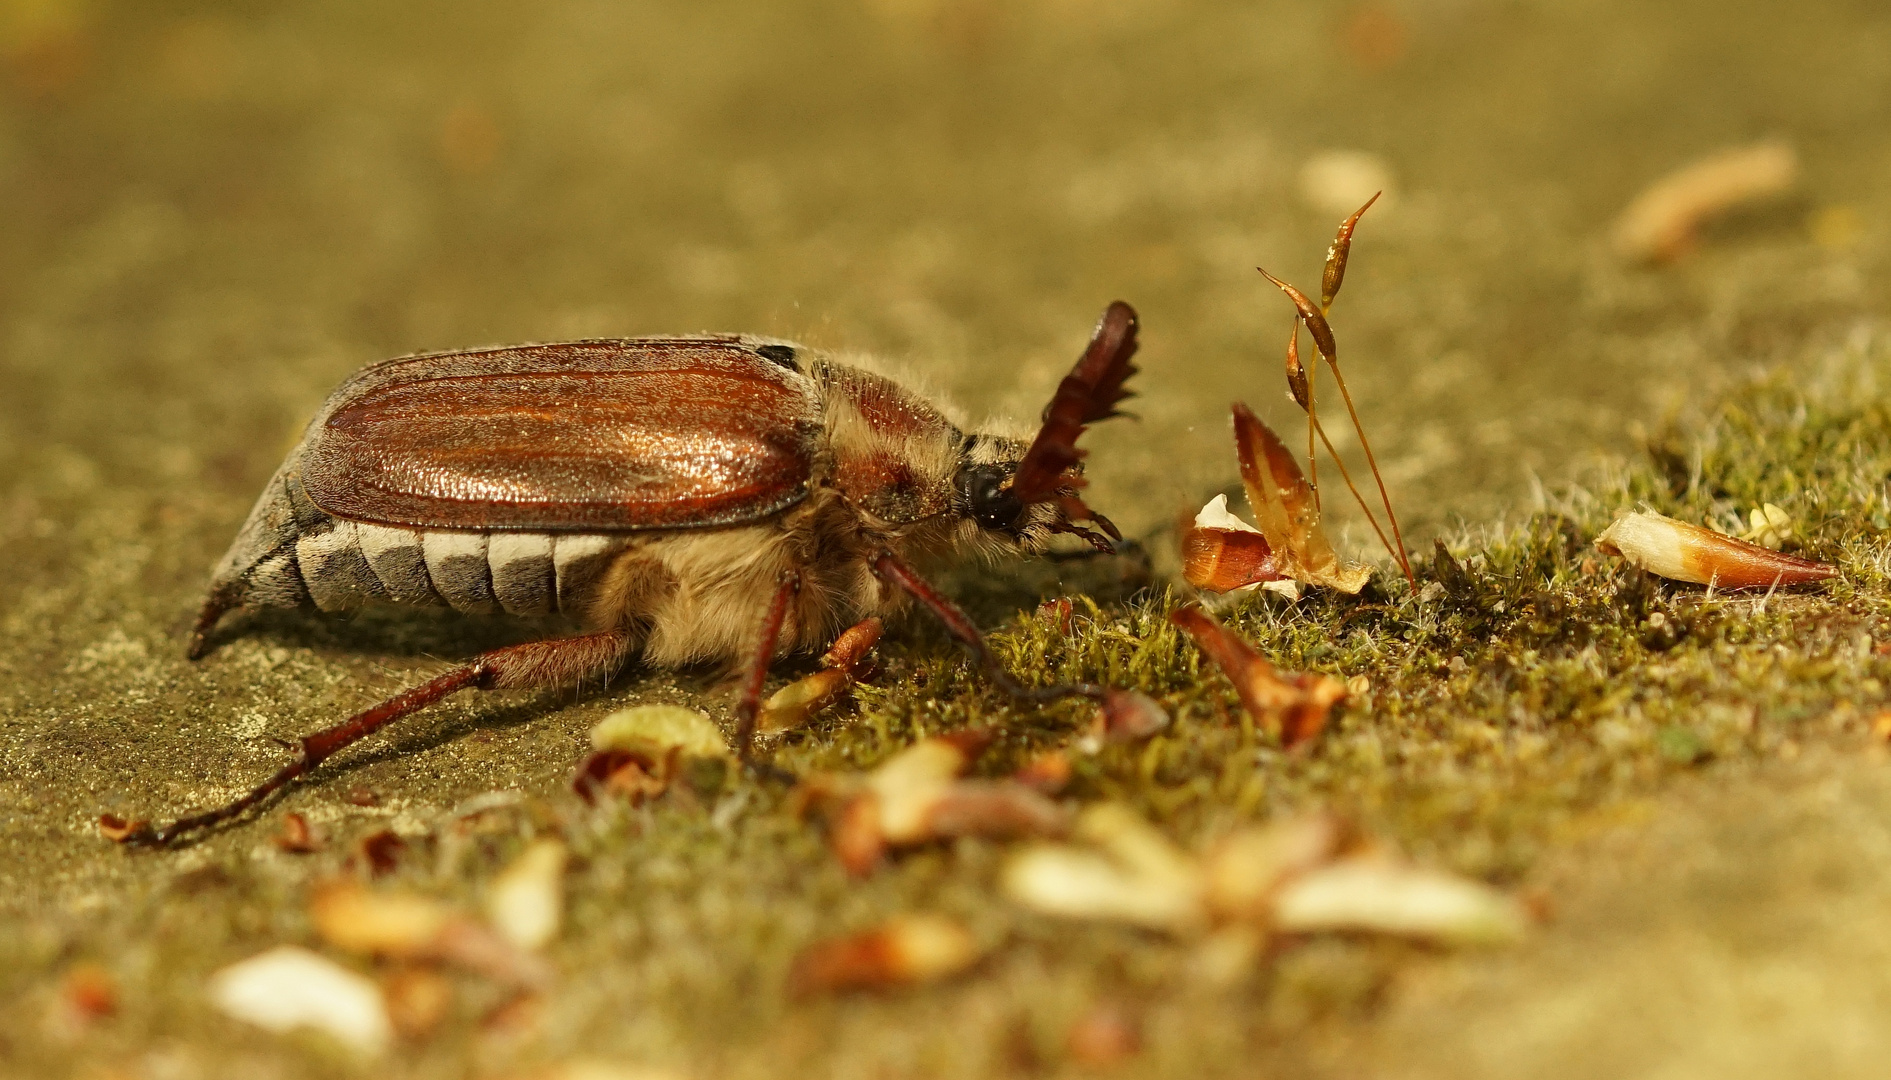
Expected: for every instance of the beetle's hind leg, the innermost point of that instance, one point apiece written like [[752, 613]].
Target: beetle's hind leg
[[559, 662]]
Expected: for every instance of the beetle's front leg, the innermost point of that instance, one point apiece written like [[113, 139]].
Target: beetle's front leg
[[959, 625], [562, 661]]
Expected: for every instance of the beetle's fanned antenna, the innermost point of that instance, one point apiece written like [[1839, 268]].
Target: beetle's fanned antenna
[[1322, 332], [1088, 394]]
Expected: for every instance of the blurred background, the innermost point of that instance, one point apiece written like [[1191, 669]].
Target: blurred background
[[213, 212]]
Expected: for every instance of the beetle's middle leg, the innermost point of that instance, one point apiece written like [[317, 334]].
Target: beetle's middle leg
[[750, 703], [559, 662]]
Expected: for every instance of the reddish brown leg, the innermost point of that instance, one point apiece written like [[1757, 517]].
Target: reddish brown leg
[[750, 703], [891, 569], [538, 663], [218, 602]]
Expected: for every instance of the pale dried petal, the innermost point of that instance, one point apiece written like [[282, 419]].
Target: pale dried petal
[[290, 987], [1054, 879], [662, 726], [904, 950], [351, 917], [1244, 870], [995, 810], [795, 704], [1138, 845], [1682, 552], [405, 926], [1215, 515], [1385, 896], [1662, 221], [526, 900], [909, 783]]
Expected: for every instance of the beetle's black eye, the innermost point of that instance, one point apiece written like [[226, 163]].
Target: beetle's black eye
[[780, 354], [987, 500]]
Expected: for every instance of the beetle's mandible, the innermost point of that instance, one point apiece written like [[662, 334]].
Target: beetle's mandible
[[707, 498]]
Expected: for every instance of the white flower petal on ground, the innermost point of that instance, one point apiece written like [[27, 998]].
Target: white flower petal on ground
[[290, 987], [526, 901], [1386, 896], [664, 726]]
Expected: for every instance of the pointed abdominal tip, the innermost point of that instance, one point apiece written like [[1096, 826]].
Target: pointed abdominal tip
[[1088, 394]]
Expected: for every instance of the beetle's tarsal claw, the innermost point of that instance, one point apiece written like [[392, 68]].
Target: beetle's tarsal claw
[[216, 604], [1091, 537]]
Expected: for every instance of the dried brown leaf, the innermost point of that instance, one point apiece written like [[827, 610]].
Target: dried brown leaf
[[1682, 552], [1294, 709], [903, 951], [1285, 509], [297, 837]]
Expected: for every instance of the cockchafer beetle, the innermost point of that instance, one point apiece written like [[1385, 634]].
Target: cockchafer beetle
[[673, 494]]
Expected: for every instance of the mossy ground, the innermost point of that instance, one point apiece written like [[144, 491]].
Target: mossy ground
[[213, 212], [1529, 695]]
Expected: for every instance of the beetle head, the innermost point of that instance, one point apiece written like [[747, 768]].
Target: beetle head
[[985, 492]]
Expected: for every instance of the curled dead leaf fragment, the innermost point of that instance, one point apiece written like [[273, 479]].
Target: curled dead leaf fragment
[[905, 950], [297, 836], [1128, 872], [637, 752], [290, 987], [1128, 716], [1663, 221], [1286, 510], [1682, 552], [1384, 895], [1245, 870], [843, 664], [1295, 708], [1221, 553], [418, 999], [526, 901], [118, 830], [406, 926], [379, 852], [916, 796]]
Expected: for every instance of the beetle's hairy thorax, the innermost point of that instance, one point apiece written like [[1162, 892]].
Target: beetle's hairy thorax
[[883, 480]]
